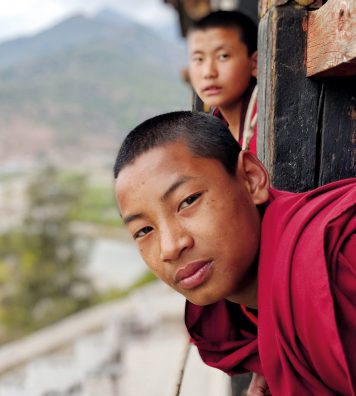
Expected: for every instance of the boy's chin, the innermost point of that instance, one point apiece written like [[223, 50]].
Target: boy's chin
[[201, 301], [211, 103]]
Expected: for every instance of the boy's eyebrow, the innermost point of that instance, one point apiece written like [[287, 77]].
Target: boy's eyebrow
[[132, 217], [218, 48], [173, 187], [222, 47]]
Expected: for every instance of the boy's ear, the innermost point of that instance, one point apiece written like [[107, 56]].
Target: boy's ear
[[254, 64], [255, 176]]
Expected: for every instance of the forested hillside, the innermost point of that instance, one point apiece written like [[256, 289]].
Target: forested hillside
[[84, 83]]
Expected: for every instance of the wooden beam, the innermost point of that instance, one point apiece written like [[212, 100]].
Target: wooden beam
[[331, 39], [288, 102], [265, 5], [306, 126], [337, 134]]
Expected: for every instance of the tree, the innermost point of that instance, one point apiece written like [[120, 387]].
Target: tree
[[41, 263]]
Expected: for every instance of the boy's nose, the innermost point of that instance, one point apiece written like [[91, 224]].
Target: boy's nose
[[210, 70], [173, 243]]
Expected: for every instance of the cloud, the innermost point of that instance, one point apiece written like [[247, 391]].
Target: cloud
[[19, 17]]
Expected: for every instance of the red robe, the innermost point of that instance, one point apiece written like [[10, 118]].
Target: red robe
[[306, 343]]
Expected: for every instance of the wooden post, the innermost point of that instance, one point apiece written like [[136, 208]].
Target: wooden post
[[337, 131], [288, 102], [306, 126]]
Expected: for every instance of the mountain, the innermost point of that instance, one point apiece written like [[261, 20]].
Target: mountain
[[85, 82]]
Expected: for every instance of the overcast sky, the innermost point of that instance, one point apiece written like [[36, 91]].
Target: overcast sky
[[24, 17]]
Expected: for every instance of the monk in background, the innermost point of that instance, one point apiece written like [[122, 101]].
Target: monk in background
[[222, 49]]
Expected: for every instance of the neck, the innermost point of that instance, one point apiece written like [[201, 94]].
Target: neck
[[235, 113], [248, 295], [232, 115]]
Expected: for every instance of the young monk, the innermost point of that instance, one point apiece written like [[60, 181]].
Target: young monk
[[269, 276], [222, 49]]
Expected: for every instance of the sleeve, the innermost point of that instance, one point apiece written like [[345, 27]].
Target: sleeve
[[225, 337], [344, 291]]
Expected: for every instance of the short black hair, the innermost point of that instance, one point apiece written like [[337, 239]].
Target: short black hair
[[205, 135], [230, 19]]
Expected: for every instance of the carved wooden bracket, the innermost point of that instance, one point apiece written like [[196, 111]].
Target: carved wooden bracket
[[265, 5], [331, 39]]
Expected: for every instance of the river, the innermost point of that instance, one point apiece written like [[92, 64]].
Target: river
[[114, 263]]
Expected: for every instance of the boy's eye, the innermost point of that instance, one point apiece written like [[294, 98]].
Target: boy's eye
[[197, 59], [142, 232], [189, 201], [223, 56]]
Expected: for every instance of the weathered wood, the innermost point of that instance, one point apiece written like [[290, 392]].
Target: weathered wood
[[197, 104], [265, 5], [338, 131], [287, 101], [240, 384], [190, 10], [331, 39]]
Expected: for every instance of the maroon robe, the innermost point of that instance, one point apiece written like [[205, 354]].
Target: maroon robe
[[306, 343]]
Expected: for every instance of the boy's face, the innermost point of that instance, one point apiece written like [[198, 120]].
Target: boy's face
[[196, 226], [220, 68]]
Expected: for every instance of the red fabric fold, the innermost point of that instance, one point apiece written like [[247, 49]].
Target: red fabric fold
[[221, 342], [306, 299], [299, 270]]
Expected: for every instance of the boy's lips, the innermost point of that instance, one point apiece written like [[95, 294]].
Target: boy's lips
[[212, 90], [193, 274]]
